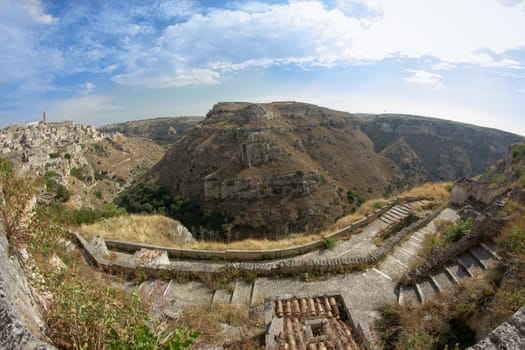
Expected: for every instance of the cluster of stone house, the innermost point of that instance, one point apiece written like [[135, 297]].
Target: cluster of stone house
[[35, 145]]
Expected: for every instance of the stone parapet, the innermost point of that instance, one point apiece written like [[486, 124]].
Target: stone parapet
[[283, 267]]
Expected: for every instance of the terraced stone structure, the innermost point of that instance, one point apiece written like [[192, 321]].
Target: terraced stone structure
[[309, 322]]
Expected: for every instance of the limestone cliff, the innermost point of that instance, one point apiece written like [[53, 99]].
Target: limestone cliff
[[161, 130], [429, 149], [275, 168]]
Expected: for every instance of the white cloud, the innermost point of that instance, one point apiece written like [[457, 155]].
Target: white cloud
[[36, 11], [307, 33], [424, 78], [88, 87], [443, 66]]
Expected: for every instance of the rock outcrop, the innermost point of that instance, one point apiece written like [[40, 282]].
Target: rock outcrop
[[161, 130], [429, 149], [22, 325], [274, 168]]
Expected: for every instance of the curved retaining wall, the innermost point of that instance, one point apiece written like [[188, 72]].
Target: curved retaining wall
[[255, 255], [252, 269]]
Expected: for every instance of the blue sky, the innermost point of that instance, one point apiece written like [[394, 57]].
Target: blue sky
[[99, 62]]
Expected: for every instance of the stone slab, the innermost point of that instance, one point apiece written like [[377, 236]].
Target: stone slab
[[242, 293], [181, 295], [222, 296], [442, 279]]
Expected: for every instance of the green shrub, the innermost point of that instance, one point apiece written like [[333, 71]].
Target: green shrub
[[54, 155], [458, 231], [378, 204], [329, 242], [518, 152], [76, 172]]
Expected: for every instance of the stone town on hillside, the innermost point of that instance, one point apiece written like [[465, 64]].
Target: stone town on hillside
[[34, 145]]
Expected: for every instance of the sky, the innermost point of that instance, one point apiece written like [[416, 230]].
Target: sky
[[103, 61]]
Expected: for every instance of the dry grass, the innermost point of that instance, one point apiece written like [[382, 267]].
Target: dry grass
[[438, 191], [258, 244], [151, 229], [208, 318]]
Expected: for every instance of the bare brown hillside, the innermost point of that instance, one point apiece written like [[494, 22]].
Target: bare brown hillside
[[274, 168]]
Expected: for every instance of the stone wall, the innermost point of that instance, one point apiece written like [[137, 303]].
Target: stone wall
[[283, 267], [254, 255], [22, 325], [466, 190], [509, 335]]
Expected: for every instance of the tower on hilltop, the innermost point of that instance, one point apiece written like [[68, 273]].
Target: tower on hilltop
[[44, 119]]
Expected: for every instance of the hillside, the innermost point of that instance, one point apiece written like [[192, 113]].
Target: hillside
[[76, 163], [285, 167], [161, 130], [428, 149]]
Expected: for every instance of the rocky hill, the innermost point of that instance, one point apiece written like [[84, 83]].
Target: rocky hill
[[161, 130], [284, 167], [428, 149]]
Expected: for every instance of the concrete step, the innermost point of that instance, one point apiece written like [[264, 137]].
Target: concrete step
[[400, 211], [427, 290], [386, 220], [469, 263], [442, 279], [483, 257], [458, 272], [222, 296], [406, 206], [419, 293], [392, 267], [490, 248], [181, 294], [242, 293], [404, 255], [391, 217], [409, 296], [413, 243]]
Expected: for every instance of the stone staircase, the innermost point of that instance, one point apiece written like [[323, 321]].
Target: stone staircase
[[398, 212], [471, 263]]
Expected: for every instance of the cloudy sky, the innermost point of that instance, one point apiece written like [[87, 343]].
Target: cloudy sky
[[104, 61]]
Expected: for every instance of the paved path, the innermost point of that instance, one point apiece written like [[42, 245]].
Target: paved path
[[363, 291]]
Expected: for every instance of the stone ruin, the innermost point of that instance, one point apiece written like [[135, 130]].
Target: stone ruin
[[310, 322], [469, 191]]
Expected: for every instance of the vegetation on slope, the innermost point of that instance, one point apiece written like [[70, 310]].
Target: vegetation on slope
[[150, 229], [82, 308], [468, 312], [155, 199], [459, 317]]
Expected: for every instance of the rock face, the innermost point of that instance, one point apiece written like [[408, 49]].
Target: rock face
[[275, 168], [509, 335], [161, 130], [283, 167], [429, 149], [21, 323]]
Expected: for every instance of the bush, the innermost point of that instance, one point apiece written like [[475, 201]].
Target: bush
[[54, 155], [458, 231], [89, 215], [329, 242]]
